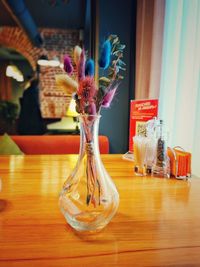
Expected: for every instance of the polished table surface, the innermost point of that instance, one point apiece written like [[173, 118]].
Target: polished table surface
[[157, 223]]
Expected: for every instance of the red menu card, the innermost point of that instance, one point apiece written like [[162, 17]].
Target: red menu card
[[140, 112]]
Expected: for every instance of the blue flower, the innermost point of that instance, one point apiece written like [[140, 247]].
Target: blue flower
[[104, 59], [89, 69]]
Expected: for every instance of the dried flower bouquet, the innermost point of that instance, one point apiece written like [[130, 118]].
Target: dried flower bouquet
[[79, 81]]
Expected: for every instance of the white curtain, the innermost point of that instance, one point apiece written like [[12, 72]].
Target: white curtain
[[179, 102], [157, 46]]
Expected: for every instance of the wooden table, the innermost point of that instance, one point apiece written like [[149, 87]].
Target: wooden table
[[157, 224]]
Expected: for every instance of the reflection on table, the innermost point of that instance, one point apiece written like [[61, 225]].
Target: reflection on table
[[157, 223]]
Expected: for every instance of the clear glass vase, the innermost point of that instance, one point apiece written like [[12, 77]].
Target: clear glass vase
[[89, 198]]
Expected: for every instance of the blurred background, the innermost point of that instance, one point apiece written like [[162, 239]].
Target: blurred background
[[47, 30]]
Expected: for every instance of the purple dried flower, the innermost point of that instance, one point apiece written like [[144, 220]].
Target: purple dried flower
[[68, 65], [108, 97], [81, 66], [92, 109]]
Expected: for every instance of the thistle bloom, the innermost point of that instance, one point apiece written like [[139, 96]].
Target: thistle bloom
[[104, 59]]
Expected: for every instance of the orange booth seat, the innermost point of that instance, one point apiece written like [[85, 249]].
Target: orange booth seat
[[54, 144]]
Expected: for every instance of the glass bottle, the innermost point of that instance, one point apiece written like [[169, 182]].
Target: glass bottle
[[139, 150], [151, 126], [89, 198], [161, 166]]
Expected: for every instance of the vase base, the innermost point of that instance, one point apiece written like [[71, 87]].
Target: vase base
[[78, 223], [85, 221]]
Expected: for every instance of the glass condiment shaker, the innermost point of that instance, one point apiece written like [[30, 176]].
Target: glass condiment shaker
[[161, 166]]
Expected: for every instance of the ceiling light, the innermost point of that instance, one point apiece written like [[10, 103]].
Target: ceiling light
[[43, 60], [13, 72], [19, 78], [54, 62], [9, 71]]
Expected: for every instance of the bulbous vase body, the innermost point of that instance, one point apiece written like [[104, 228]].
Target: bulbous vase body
[[89, 198]]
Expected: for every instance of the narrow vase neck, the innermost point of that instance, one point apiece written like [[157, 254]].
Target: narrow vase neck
[[89, 129]]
